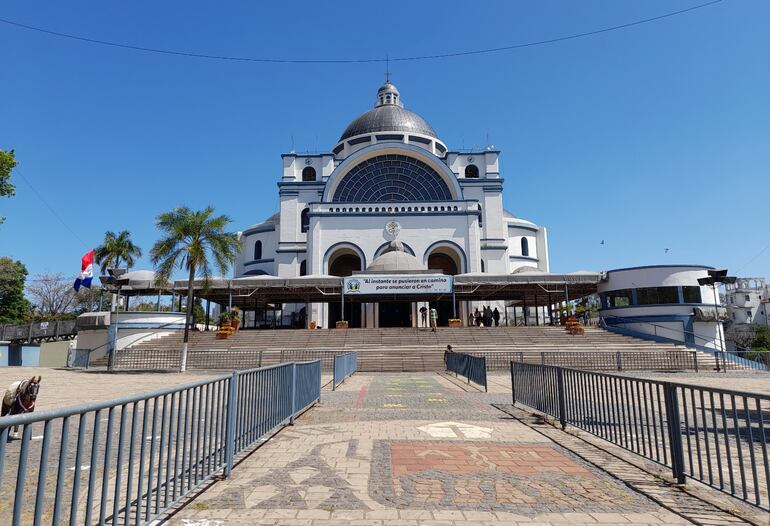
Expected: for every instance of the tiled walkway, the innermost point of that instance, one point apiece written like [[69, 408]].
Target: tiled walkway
[[425, 449]]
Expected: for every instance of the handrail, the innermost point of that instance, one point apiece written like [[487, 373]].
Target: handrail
[[158, 447]]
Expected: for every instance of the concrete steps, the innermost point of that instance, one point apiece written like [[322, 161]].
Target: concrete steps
[[411, 349]]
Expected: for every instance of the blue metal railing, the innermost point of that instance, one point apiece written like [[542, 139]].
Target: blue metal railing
[[133, 458], [474, 368], [715, 436], [344, 366]]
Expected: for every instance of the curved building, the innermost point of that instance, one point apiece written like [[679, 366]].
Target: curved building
[[389, 177]]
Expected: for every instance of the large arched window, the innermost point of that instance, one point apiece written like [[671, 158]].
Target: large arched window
[[391, 178], [303, 268], [524, 246], [308, 173], [258, 250], [305, 219], [471, 171]]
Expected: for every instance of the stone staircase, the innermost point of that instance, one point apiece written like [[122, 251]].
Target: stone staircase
[[411, 349]]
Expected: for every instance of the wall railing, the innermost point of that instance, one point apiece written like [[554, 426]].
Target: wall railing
[[716, 436], [128, 460]]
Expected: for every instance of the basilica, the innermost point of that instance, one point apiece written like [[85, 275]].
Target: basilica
[[389, 178]]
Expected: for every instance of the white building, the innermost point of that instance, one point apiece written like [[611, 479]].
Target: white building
[[389, 176], [664, 303], [744, 300]]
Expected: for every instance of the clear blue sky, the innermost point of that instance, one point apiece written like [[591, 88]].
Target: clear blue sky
[[651, 137]]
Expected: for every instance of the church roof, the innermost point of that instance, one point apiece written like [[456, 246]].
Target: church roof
[[388, 115]]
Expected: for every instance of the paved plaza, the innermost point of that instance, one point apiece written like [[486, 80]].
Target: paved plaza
[[428, 449]]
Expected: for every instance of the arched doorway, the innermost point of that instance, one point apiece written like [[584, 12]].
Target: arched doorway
[[343, 263], [445, 260]]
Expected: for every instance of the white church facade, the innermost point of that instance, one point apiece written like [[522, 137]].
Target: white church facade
[[389, 177]]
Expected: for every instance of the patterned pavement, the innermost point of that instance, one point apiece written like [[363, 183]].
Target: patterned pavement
[[426, 449]]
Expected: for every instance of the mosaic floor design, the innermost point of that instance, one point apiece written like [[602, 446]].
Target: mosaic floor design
[[522, 478]]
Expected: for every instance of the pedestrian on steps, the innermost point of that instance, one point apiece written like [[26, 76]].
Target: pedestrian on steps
[[433, 319], [496, 317]]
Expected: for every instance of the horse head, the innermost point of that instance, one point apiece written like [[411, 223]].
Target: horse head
[[33, 387]]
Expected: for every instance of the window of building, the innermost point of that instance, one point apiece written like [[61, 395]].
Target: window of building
[[305, 219], [482, 266], [657, 296], [391, 178], [471, 171], [303, 268], [619, 298], [524, 246], [748, 298], [691, 294], [308, 173], [258, 250], [481, 217]]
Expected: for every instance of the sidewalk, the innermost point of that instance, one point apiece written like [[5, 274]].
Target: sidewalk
[[426, 449]]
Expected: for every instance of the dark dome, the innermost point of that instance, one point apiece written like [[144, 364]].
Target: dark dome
[[387, 118]]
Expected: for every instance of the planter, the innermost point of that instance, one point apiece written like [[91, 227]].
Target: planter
[[235, 324], [225, 325], [312, 325], [342, 324], [223, 335], [456, 322]]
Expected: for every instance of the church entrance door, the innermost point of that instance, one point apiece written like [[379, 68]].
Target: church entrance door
[[395, 313]]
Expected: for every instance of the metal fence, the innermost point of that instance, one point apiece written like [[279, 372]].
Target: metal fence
[[218, 359], [43, 330], [344, 366], [715, 436], [603, 360], [127, 461], [474, 368]]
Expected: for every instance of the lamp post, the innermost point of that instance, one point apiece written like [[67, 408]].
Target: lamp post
[[718, 276]]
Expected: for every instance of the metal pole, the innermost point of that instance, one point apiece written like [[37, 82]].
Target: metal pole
[[342, 301], [719, 326], [208, 313], [111, 360], [454, 301]]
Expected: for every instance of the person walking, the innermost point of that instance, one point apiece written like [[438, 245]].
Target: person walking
[[477, 315], [470, 319], [424, 315], [496, 317], [433, 319], [487, 316]]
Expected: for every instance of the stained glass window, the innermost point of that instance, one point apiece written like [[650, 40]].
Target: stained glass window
[[391, 178]]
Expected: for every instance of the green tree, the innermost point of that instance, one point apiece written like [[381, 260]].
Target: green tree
[[7, 164], [116, 248], [14, 307], [195, 241]]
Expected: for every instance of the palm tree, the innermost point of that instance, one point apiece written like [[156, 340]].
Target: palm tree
[[193, 240], [116, 248]]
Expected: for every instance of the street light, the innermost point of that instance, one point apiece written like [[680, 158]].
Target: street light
[[717, 276]]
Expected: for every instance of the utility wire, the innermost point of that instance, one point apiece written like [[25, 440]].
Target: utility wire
[[752, 260], [50, 208], [363, 60]]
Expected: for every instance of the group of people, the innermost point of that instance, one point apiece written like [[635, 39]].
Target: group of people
[[484, 318]]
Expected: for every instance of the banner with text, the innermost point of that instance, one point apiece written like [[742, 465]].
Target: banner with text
[[395, 284]]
